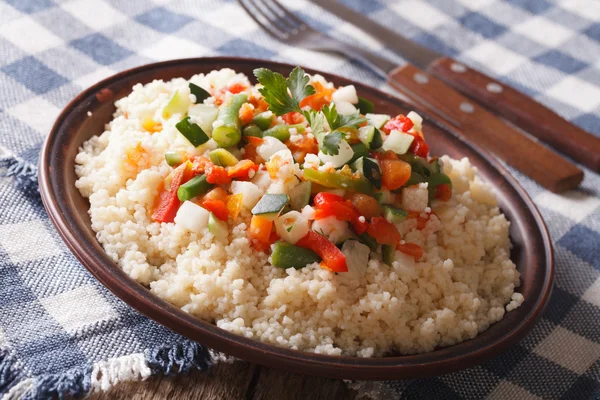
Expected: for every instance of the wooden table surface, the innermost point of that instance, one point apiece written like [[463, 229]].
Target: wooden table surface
[[237, 380]]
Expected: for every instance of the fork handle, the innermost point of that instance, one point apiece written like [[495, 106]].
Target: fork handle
[[521, 110], [486, 130]]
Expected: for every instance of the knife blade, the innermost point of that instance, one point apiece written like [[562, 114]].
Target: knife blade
[[501, 99]]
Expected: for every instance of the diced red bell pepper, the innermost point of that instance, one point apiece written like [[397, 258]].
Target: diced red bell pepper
[[443, 192], [419, 147], [326, 197], [241, 171], [168, 203], [343, 211], [217, 207], [383, 231], [332, 256], [217, 175], [400, 123], [421, 220], [328, 204], [411, 249]]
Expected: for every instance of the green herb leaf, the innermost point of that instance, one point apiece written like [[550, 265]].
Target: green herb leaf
[[331, 143], [298, 85], [316, 120], [200, 93], [276, 89], [289, 228], [192, 132], [337, 121], [331, 115]]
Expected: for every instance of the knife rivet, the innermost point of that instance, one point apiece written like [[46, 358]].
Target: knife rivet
[[493, 87], [421, 78], [456, 67], [466, 107]]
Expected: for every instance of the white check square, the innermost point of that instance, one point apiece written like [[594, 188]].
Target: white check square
[[569, 350], [34, 243], [37, 113], [230, 18], [29, 35], [497, 58], [95, 14], [360, 36], [573, 204], [475, 4], [506, 390], [421, 14], [576, 93], [585, 8], [314, 59], [79, 308], [592, 294], [544, 31], [172, 47]]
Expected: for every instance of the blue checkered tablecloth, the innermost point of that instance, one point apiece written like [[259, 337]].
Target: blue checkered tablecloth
[[62, 333]]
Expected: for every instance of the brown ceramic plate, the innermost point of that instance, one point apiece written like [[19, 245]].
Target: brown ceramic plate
[[532, 251]]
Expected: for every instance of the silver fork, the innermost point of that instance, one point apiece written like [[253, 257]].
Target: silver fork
[[286, 27]]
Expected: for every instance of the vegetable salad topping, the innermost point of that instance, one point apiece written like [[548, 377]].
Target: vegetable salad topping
[[324, 178]]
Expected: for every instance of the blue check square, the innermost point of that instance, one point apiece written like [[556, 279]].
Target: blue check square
[[482, 25], [30, 6], [561, 61], [34, 75], [103, 50], [163, 20]]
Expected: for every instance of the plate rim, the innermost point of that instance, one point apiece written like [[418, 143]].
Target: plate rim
[[346, 367]]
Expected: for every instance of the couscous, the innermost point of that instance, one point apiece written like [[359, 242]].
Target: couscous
[[290, 212]]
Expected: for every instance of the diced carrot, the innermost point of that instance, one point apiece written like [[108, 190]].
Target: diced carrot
[[242, 170], [217, 175], [151, 125], [199, 164], [300, 148], [246, 113], [394, 173], [217, 193], [237, 88], [234, 205], [260, 232], [135, 155], [366, 205], [293, 118]]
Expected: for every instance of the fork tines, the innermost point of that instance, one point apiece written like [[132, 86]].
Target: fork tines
[[274, 18]]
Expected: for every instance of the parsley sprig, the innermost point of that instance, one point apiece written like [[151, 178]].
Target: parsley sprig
[[284, 95]]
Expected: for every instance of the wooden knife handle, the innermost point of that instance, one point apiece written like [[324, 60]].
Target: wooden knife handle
[[487, 131], [521, 110]]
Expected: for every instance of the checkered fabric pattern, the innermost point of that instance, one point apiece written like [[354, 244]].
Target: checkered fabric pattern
[[62, 332]]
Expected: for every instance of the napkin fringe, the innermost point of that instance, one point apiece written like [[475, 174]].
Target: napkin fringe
[[10, 374], [180, 358], [172, 359], [24, 173]]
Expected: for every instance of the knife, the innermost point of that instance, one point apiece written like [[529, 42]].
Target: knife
[[523, 111]]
